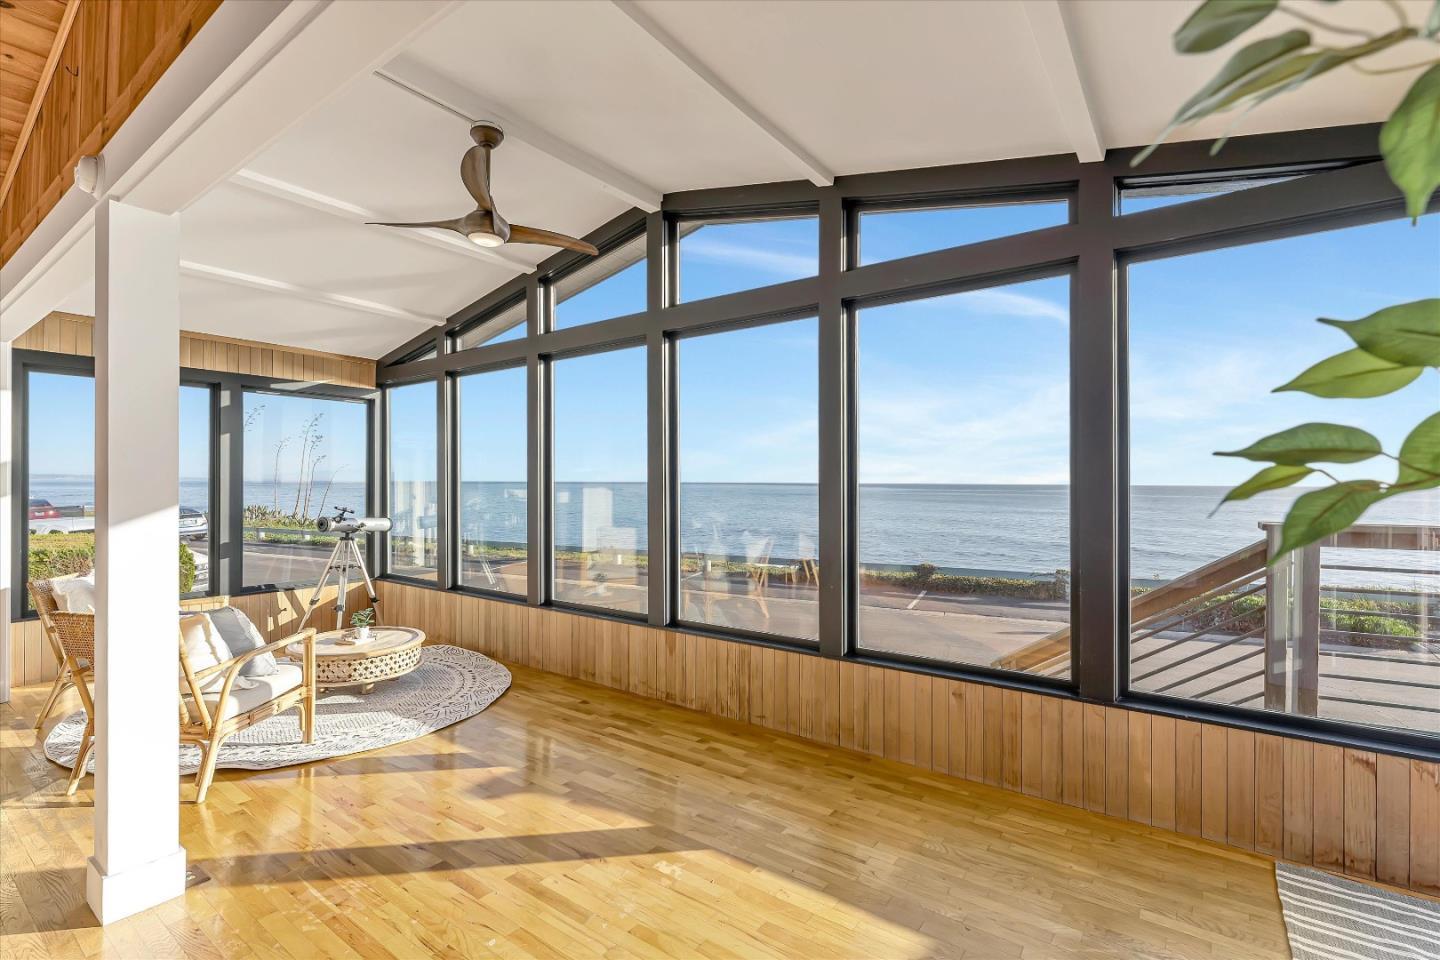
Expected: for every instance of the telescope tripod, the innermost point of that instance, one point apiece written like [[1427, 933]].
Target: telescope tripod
[[345, 557]]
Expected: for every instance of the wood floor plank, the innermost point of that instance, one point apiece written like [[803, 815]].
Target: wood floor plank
[[573, 820]]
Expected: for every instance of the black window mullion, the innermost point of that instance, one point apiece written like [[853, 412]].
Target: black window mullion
[[836, 467], [1096, 472]]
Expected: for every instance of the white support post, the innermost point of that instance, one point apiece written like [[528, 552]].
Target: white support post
[[138, 860], [7, 514]]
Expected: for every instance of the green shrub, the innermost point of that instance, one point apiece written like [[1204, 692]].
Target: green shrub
[[187, 569]]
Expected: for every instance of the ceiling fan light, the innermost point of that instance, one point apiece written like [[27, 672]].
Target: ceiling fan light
[[483, 238]]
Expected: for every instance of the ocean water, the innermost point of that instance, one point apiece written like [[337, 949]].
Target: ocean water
[[1022, 529]]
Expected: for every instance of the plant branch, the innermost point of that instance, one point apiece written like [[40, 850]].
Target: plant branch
[[1368, 71], [1322, 25], [1399, 11]]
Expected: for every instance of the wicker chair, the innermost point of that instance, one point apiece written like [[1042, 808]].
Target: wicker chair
[[208, 717], [42, 596], [72, 638]]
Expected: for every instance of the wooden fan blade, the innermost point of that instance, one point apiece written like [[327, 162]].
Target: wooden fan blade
[[475, 171], [519, 234], [455, 225]]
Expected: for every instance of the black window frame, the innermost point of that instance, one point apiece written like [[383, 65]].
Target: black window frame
[[227, 463], [1347, 185]]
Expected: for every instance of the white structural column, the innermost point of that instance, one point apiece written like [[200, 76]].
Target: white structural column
[[138, 860]]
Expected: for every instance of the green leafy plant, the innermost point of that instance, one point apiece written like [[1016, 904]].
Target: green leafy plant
[[363, 618], [187, 569], [1392, 347]]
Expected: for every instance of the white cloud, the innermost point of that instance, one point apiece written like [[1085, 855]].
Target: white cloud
[[1008, 303], [770, 261]]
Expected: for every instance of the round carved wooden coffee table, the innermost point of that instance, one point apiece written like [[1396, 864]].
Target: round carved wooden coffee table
[[389, 653]]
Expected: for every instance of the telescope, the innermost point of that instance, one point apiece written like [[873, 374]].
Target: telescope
[[350, 525]]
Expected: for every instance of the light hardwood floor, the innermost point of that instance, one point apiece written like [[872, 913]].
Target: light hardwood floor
[[570, 820]]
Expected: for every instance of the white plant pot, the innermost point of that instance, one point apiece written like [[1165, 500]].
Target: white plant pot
[[362, 633]]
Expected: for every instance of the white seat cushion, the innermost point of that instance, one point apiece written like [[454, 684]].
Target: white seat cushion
[[261, 690], [74, 594], [203, 648]]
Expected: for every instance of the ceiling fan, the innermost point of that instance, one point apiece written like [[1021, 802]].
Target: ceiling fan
[[484, 226]]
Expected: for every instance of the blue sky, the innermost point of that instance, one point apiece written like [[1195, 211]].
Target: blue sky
[[275, 427], [967, 388]]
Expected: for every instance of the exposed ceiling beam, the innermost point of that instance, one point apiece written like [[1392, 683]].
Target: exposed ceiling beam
[[344, 210], [1057, 53], [429, 85], [47, 73], [801, 159], [205, 271]]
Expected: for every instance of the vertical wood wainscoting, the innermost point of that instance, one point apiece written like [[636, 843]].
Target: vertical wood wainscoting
[[1350, 811]]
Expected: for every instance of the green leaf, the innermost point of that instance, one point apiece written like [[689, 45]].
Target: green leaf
[[1319, 514], [1294, 69], [1407, 333], [1311, 443], [1268, 68], [1216, 22], [1432, 22], [1420, 458], [1410, 141], [1271, 478], [1242, 64], [1354, 373]]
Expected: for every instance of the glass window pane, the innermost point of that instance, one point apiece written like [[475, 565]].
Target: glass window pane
[[891, 234], [494, 496], [414, 494], [304, 456], [508, 324], [749, 458], [195, 484], [964, 461], [60, 461], [608, 286], [1138, 197], [1355, 631], [600, 518], [730, 255]]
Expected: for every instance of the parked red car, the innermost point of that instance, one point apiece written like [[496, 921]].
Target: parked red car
[[43, 509]]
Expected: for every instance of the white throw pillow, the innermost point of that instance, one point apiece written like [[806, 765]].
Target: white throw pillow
[[203, 648], [75, 594]]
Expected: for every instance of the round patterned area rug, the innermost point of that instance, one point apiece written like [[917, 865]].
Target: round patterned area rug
[[449, 685]]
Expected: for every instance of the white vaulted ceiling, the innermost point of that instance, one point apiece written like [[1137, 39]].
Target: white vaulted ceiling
[[611, 105]]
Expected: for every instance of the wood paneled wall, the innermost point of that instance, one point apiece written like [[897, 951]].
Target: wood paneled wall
[[1368, 815], [71, 334], [276, 614], [114, 53]]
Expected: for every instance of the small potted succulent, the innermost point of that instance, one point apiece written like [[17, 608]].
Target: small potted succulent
[[362, 621]]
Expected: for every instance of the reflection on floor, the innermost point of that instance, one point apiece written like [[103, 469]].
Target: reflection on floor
[[570, 820]]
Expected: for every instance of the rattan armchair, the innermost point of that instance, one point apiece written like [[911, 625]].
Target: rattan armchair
[[42, 596], [72, 640], [208, 717]]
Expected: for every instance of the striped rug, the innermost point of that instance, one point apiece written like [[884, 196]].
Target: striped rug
[[1329, 918]]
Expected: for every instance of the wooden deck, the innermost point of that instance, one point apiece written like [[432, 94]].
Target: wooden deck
[[573, 820]]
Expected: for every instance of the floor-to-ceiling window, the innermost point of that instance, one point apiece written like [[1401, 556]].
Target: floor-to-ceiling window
[[195, 507], [963, 454], [600, 524], [60, 474], [1349, 628], [494, 491], [414, 492], [748, 461], [304, 456]]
